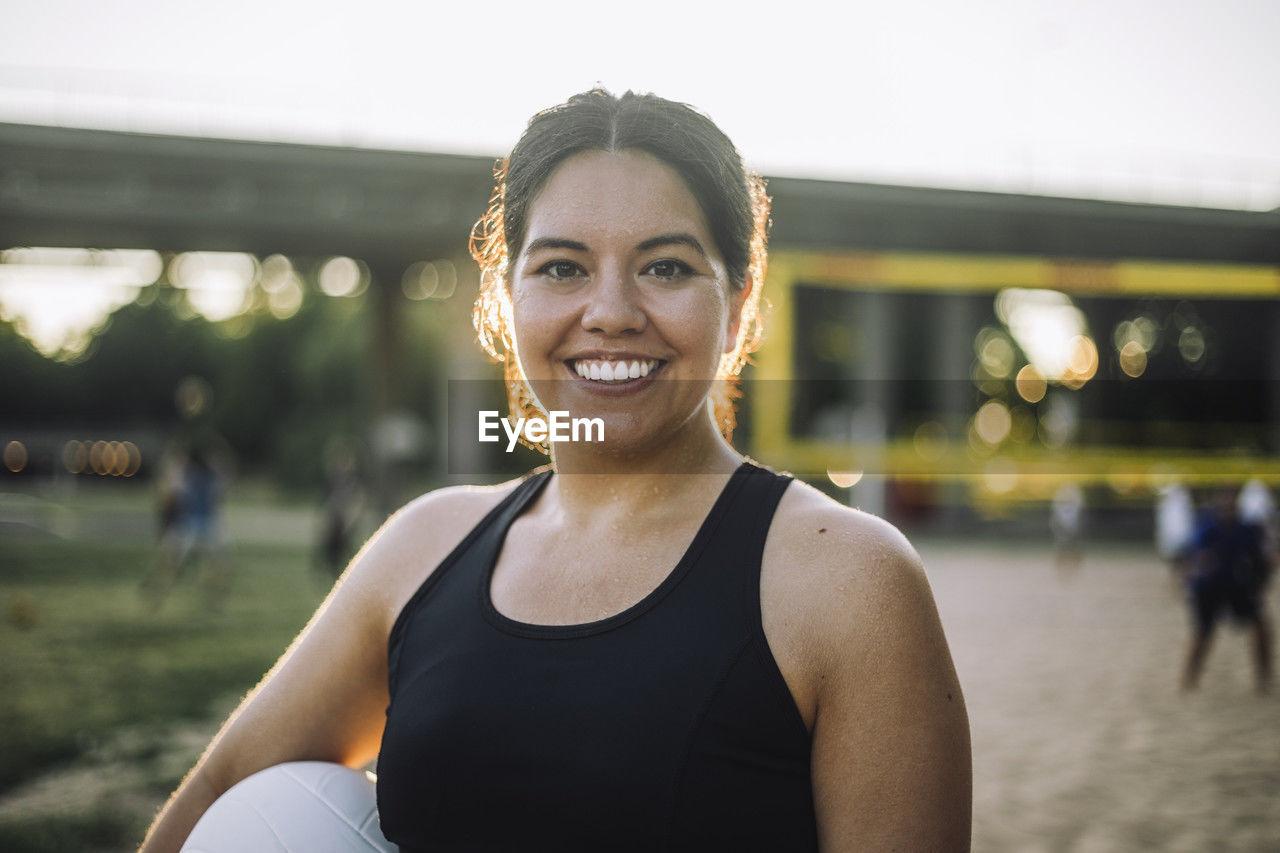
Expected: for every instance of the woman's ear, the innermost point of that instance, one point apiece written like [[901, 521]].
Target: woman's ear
[[737, 300]]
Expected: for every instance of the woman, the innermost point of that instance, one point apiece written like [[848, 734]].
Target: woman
[[653, 643]]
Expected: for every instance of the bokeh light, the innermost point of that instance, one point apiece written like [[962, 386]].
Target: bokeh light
[[430, 280], [1142, 330], [104, 458], [75, 456], [217, 284], [985, 382], [844, 479], [1082, 362], [993, 422], [1191, 345], [1133, 359], [1046, 325], [286, 300], [133, 458], [342, 276], [97, 457], [930, 441], [192, 396], [119, 458], [1030, 384], [448, 279], [995, 353], [57, 297], [420, 280], [15, 456], [275, 270], [283, 287]]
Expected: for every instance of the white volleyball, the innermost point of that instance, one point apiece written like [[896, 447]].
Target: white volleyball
[[299, 807]]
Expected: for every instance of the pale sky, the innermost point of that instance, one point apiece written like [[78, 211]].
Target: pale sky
[[1135, 99], [1141, 100]]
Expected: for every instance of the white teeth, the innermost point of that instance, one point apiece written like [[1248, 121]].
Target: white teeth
[[614, 371]]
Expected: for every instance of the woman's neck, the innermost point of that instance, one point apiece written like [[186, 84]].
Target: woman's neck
[[589, 483]]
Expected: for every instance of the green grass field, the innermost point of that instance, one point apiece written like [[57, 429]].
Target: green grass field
[[86, 655]]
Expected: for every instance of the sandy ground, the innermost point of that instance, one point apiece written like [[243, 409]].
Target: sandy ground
[[1081, 741]]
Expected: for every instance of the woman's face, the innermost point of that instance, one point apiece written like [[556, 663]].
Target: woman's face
[[622, 306]]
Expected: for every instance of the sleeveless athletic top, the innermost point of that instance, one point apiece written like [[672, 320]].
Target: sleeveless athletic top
[[667, 726]]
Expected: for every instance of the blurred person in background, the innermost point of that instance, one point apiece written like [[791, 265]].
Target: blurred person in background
[[1229, 570], [1066, 518], [343, 505], [1175, 529], [192, 504], [652, 643], [169, 490], [1256, 505]]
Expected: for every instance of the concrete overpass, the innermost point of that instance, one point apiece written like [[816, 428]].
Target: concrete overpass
[[93, 188]]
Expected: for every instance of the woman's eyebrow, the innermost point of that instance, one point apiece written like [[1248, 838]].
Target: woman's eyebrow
[[675, 239], [554, 243], [678, 239]]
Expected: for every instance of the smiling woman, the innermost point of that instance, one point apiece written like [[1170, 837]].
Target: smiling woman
[[652, 643], [634, 288], [701, 172]]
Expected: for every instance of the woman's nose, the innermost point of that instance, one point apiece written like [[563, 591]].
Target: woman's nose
[[612, 307]]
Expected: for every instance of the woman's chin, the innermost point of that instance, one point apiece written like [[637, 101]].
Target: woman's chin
[[615, 437]]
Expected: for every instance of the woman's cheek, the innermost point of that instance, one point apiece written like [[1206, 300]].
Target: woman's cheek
[[532, 329]]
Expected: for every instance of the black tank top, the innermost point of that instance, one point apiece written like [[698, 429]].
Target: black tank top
[[667, 726]]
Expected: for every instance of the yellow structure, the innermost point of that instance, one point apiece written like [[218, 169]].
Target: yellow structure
[[1002, 471]]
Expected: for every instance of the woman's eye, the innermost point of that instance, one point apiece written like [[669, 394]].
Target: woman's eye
[[560, 269], [669, 269]]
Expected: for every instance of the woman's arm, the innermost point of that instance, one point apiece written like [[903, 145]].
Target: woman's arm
[[891, 755], [326, 697]]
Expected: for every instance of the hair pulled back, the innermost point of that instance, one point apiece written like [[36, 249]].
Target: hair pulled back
[[732, 200]]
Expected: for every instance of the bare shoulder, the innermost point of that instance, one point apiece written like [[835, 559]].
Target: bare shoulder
[[413, 542], [437, 514], [848, 611], [841, 566]]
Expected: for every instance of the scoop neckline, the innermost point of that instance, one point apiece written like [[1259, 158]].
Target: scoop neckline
[[583, 629]]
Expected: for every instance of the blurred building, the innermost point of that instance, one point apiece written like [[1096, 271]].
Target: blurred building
[[940, 347]]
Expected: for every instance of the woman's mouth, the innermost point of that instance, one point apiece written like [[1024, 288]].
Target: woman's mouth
[[615, 372]]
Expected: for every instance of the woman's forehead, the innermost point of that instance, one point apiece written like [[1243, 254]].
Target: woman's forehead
[[600, 196]]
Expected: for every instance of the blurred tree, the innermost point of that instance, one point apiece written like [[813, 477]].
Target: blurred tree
[[282, 389], [34, 390], [131, 370]]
